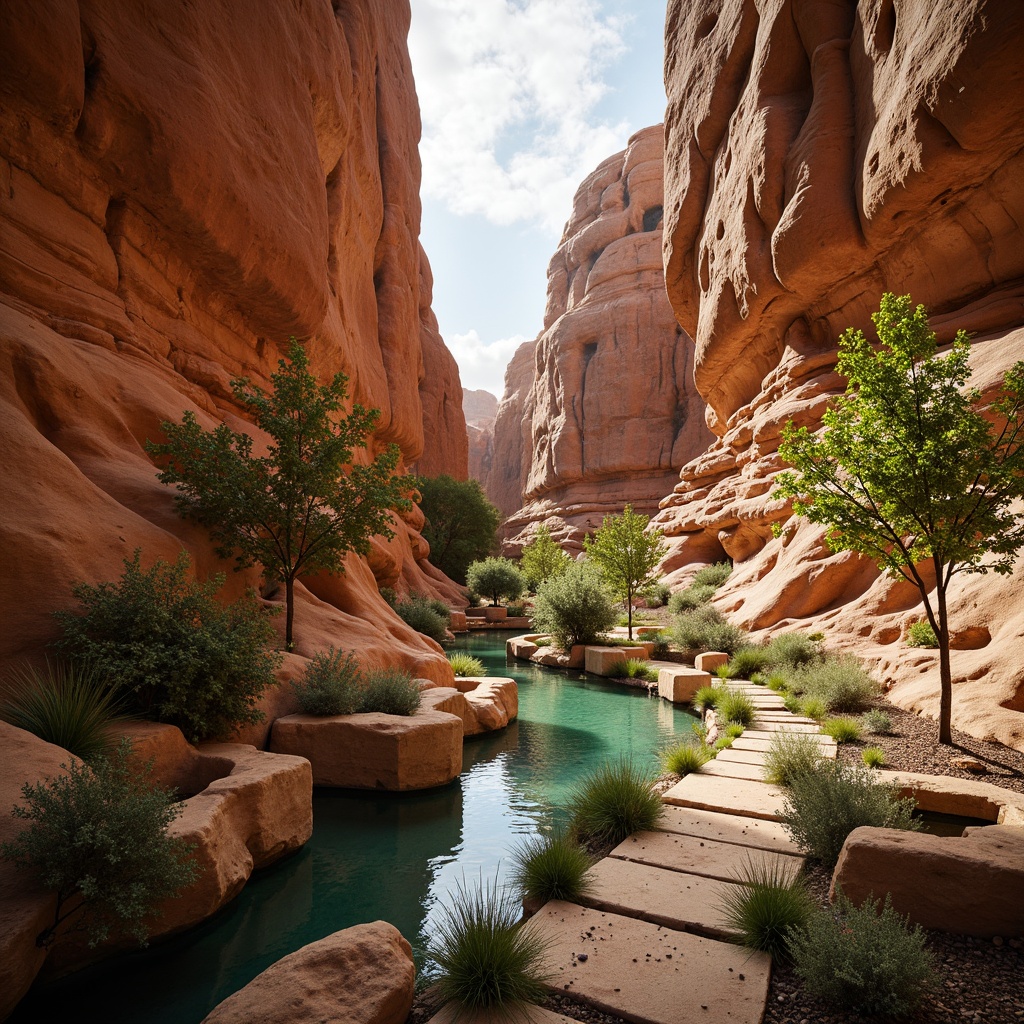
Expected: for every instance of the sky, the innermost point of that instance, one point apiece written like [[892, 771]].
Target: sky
[[520, 101]]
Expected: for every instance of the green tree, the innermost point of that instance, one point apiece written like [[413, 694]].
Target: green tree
[[496, 578], [301, 507], [627, 555], [574, 607], [542, 559], [909, 471], [461, 524]]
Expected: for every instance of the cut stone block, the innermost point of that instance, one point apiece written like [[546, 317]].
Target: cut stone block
[[679, 683], [733, 796], [457, 623], [607, 661], [764, 715], [733, 770], [742, 756], [966, 797], [763, 741], [628, 971], [727, 828], [496, 613], [768, 729], [710, 660]]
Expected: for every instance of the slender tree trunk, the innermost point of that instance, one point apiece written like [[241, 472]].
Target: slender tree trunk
[[629, 614], [945, 673], [289, 611]]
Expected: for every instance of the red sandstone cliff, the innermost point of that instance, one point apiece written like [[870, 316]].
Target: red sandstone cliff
[[816, 156], [480, 409], [506, 476], [182, 187]]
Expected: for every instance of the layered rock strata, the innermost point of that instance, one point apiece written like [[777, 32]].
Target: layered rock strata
[[505, 477], [816, 156], [480, 409], [611, 414]]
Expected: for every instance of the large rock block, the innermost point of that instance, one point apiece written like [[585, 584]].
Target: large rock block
[[362, 974], [680, 684], [607, 661]]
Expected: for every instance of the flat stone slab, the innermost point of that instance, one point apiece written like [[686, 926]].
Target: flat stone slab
[[741, 756], [760, 743], [785, 716], [733, 796], [707, 857], [765, 730], [733, 770], [727, 828], [526, 1014], [628, 971]]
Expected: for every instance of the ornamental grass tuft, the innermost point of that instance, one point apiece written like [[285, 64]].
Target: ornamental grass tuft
[[707, 697], [390, 691], [330, 684], [638, 668], [873, 757], [685, 757], [842, 730], [552, 866], [613, 802], [734, 706], [465, 665], [840, 683]]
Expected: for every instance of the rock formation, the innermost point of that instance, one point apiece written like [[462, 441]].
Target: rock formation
[[480, 408], [506, 478], [816, 156], [182, 187], [612, 413]]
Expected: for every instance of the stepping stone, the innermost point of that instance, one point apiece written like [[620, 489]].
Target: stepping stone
[[742, 756], [726, 828], [628, 971], [761, 744], [695, 856], [765, 730], [733, 770], [733, 796], [527, 1014], [786, 716]]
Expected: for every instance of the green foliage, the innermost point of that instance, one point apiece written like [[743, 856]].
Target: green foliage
[[777, 682], [790, 754], [707, 697], [734, 706], [792, 703], [573, 607], [876, 721], [767, 905], [684, 758], [748, 661], [97, 836], [627, 555], [758, 678], [725, 671], [813, 707], [724, 742], [465, 665], [873, 757], [656, 595], [69, 704], [790, 650], [705, 629], [304, 505], [863, 958], [551, 866], [639, 668], [390, 595], [331, 684], [423, 615], [613, 802], [690, 598], [390, 691], [712, 575], [461, 523], [825, 806], [542, 559], [162, 641], [842, 730], [661, 641], [496, 578], [840, 683], [483, 960], [921, 634], [909, 469], [734, 730]]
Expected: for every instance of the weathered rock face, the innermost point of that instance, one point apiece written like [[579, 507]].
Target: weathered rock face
[[507, 475], [480, 409], [181, 189], [816, 156], [612, 414]]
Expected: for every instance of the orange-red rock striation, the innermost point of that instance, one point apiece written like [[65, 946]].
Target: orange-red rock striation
[[182, 187], [507, 474], [480, 409], [816, 156], [612, 413]]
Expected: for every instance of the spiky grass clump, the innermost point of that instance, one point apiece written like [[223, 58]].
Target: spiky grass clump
[[873, 757], [842, 730], [724, 742], [725, 671], [777, 682], [812, 707], [465, 665], [748, 661], [877, 722], [485, 961], [390, 691], [707, 697], [734, 706], [768, 906], [638, 668], [734, 730], [789, 755], [331, 684], [551, 866], [685, 758], [67, 703], [689, 599], [792, 703], [613, 802]]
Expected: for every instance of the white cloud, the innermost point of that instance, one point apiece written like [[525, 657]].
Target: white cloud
[[482, 365], [507, 95]]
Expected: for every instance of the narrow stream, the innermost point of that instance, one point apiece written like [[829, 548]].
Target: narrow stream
[[391, 856]]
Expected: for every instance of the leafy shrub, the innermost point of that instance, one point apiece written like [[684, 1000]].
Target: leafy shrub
[[841, 684], [163, 641], [97, 834], [734, 706], [656, 595], [613, 802], [484, 961], [420, 613], [921, 634], [707, 697], [390, 595], [876, 721], [551, 866], [330, 684], [465, 665], [69, 704], [790, 754], [496, 578], [863, 958], [390, 691], [748, 661], [814, 708], [842, 730], [767, 905], [661, 642], [712, 575], [873, 757], [573, 607], [516, 611], [704, 629], [690, 598], [542, 559], [685, 758], [825, 806], [790, 650], [639, 668]]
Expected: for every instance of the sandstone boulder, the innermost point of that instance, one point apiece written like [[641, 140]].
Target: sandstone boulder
[[680, 684]]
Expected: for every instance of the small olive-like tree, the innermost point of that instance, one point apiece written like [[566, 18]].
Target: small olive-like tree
[[542, 559], [495, 578]]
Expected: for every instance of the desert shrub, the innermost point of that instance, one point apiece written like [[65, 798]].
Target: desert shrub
[[551, 866], [823, 807], [661, 642], [613, 802], [656, 595], [792, 703], [330, 685], [790, 650], [841, 684], [921, 634], [161, 639], [842, 730], [497, 578], [863, 958], [67, 703], [734, 706], [873, 757], [712, 575], [790, 754], [876, 721], [390, 691], [684, 758], [516, 611], [97, 835], [707, 697], [704, 629], [777, 682], [814, 708], [465, 665], [482, 960], [639, 668], [390, 595], [574, 607], [690, 598], [734, 730], [767, 905], [748, 661], [420, 613]]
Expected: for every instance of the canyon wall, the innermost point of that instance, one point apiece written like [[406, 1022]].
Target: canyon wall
[[480, 409], [506, 475], [182, 187], [818, 155], [612, 413]]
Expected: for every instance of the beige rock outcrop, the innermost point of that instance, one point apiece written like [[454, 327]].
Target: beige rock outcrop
[[817, 155], [506, 478], [362, 974], [480, 409]]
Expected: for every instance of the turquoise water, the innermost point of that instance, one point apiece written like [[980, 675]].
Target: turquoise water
[[394, 857]]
